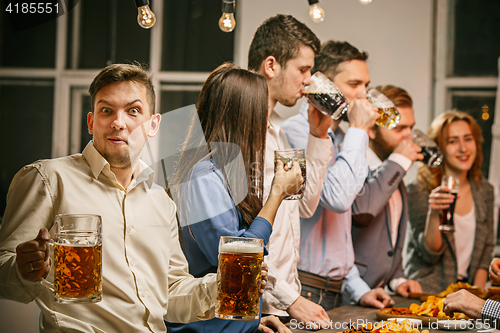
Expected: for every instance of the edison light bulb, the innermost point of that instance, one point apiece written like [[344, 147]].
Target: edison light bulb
[[146, 18], [227, 21], [365, 2], [316, 13]]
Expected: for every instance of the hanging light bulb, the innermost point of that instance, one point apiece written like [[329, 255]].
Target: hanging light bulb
[[365, 2], [316, 13], [227, 21], [145, 17]]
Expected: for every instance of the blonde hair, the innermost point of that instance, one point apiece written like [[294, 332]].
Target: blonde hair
[[432, 177]]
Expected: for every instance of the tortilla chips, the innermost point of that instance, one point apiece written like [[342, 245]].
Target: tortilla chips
[[390, 326], [433, 307]]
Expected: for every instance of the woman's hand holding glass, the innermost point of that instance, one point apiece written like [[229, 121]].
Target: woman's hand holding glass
[[440, 198], [286, 182]]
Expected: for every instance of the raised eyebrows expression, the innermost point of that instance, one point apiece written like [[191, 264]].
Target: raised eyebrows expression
[[138, 101]]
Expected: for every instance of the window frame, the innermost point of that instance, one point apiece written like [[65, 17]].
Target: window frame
[[445, 82]]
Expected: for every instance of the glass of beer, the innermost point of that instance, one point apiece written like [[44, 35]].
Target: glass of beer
[[326, 96], [389, 115], [239, 277], [432, 154], [450, 184], [287, 156], [77, 260]]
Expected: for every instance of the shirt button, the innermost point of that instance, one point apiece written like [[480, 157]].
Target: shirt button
[[390, 253]]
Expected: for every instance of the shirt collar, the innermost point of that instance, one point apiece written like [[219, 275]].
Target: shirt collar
[[276, 121], [98, 165]]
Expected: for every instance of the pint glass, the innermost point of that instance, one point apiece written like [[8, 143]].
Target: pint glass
[[326, 96], [389, 115], [238, 278], [77, 261], [287, 156], [450, 183]]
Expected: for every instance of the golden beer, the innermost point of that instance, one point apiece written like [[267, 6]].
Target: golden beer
[[389, 117], [78, 271], [239, 277], [77, 260]]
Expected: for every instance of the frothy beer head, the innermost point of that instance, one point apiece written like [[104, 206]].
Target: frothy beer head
[[240, 247]]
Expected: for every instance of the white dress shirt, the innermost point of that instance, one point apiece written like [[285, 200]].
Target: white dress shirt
[[284, 243], [145, 274]]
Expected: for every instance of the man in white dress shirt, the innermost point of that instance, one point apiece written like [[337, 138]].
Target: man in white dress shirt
[[144, 272], [283, 50]]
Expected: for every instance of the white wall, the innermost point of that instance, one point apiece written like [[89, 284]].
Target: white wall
[[397, 34]]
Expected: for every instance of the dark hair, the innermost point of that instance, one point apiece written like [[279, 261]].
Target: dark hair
[[122, 73], [431, 178], [398, 96], [232, 108], [280, 36], [333, 54]]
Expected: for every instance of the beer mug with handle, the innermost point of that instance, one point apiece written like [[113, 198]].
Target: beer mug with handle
[[77, 259], [432, 154], [326, 96], [389, 115], [239, 277]]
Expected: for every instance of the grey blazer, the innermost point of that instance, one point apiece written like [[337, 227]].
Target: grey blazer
[[436, 270], [377, 260]]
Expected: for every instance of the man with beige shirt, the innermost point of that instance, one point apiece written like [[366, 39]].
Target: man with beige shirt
[[145, 274]]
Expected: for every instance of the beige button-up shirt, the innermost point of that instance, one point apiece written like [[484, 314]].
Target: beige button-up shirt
[[284, 244], [145, 274]]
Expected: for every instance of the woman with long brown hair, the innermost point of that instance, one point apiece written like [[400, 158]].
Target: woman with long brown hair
[[218, 182], [434, 258]]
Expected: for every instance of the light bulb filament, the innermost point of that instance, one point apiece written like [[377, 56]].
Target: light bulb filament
[[146, 17], [227, 22], [316, 13]]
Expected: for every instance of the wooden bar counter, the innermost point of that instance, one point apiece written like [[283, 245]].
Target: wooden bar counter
[[342, 316]]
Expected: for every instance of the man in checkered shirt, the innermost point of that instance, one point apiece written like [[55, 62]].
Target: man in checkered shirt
[[473, 306]]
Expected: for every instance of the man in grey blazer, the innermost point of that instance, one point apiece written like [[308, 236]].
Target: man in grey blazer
[[380, 211]]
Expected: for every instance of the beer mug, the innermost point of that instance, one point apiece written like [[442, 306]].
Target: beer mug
[[77, 259], [432, 154], [389, 115], [326, 96], [287, 156], [239, 277], [450, 184]]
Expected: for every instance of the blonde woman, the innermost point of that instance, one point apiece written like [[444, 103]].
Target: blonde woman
[[434, 258]]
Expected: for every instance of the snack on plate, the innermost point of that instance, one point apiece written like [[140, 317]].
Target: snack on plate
[[454, 287], [390, 326], [433, 307], [493, 294], [400, 311]]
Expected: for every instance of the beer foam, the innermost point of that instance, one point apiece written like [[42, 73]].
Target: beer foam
[[241, 247]]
